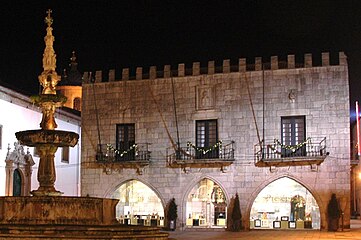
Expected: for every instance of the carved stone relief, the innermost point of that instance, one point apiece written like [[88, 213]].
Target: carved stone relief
[[205, 97]]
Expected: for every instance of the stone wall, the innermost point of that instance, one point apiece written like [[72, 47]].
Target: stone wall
[[320, 93]]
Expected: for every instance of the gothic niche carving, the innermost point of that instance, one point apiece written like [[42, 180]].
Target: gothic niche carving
[[18, 171], [292, 95], [205, 97]]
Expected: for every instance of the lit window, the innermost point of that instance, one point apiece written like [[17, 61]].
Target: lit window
[[284, 200], [77, 103], [206, 205], [138, 205]]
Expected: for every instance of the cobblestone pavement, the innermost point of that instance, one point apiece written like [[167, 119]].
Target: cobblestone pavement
[[353, 233]]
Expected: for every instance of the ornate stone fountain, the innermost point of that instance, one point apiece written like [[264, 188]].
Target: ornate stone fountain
[[47, 139], [47, 214]]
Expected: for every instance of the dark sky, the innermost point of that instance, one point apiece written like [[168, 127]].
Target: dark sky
[[116, 34]]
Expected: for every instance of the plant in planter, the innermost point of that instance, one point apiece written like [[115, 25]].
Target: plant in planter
[[333, 213], [236, 215], [171, 214]]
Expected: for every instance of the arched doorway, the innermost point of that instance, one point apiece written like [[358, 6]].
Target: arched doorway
[[285, 204], [138, 205], [206, 205], [17, 183]]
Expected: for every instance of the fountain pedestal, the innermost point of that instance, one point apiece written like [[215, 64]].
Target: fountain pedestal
[[46, 166]]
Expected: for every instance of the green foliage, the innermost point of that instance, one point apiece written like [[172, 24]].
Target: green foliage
[[171, 214], [236, 215], [333, 213], [172, 210], [333, 209], [48, 98]]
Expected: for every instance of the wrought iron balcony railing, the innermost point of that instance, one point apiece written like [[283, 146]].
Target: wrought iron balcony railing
[[138, 152], [275, 151], [222, 150]]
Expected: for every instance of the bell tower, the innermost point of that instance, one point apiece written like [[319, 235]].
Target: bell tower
[[70, 86]]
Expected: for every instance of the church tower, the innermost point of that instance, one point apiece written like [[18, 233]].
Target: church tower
[[70, 86]]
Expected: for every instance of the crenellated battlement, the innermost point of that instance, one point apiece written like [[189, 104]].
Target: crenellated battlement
[[242, 66]]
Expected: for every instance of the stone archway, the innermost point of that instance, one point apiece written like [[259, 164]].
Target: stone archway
[[138, 204], [206, 205], [17, 183], [285, 204]]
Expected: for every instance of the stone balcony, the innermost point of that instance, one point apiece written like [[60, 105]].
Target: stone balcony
[[110, 158], [188, 156], [273, 153]]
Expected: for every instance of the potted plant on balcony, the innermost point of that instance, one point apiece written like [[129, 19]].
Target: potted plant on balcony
[[171, 214], [236, 215], [333, 213]]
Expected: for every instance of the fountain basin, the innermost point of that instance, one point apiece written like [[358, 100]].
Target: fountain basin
[[47, 142], [56, 138], [49, 217], [59, 210]]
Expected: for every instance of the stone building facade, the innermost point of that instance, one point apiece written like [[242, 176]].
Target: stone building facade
[[201, 135]]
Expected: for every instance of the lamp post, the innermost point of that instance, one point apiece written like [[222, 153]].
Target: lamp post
[[343, 204]]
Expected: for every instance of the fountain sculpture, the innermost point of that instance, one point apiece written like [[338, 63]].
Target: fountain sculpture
[[47, 214]]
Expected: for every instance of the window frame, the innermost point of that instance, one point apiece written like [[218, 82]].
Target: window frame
[[203, 138], [293, 135], [128, 136], [77, 103], [65, 154]]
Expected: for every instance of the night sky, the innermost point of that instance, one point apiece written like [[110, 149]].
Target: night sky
[[117, 34]]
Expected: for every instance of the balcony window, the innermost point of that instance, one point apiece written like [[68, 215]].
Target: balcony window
[[293, 133], [125, 140], [207, 139]]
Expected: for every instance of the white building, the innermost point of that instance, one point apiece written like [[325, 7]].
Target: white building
[[19, 114]]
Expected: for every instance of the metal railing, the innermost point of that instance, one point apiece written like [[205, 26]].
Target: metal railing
[[273, 149], [221, 151], [136, 152]]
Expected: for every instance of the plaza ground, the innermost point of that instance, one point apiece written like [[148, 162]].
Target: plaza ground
[[353, 233]]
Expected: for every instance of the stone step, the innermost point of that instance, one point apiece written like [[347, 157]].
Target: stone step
[[43, 232]]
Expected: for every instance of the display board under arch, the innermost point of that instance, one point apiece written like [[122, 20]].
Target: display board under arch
[[138, 205], [285, 204], [206, 205]]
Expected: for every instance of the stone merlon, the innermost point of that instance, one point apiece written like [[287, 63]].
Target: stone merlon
[[243, 65]]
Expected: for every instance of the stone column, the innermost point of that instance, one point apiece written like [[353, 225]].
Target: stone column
[[46, 171], [9, 178]]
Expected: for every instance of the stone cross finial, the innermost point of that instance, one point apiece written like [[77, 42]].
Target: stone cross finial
[[49, 19], [73, 57], [49, 78]]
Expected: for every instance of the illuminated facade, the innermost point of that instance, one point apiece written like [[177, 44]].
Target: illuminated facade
[[356, 168], [201, 135], [19, 164], [70, 85]]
